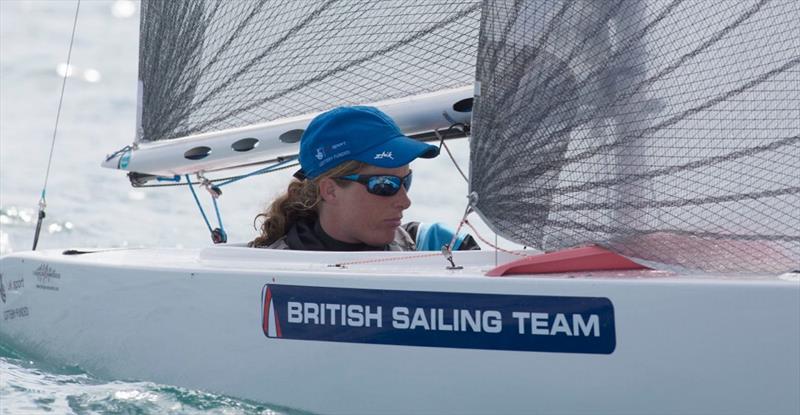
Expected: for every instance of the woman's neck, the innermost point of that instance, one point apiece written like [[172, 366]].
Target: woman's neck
[[333, 228]]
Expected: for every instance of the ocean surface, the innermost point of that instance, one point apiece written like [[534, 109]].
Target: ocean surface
[[89, 206]]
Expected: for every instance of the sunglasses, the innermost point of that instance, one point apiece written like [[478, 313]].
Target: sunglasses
[[380, 184]]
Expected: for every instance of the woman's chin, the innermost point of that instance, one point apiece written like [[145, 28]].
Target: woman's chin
[[383, 238]]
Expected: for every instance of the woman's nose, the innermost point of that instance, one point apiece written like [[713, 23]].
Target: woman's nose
[[401, 200]]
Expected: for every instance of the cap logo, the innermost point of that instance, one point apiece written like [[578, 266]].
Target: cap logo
[[320, 155], [384, 155]]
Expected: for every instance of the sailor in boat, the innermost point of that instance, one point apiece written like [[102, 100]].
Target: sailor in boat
[[352, 189]]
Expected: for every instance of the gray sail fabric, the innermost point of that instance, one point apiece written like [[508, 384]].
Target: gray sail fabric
[[210, 65], [667, 130]]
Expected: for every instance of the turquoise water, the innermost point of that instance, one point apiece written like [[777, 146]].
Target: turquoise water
[[89, 206], [29, 387]]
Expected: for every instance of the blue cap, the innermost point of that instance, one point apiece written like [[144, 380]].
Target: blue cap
[[357, 133]]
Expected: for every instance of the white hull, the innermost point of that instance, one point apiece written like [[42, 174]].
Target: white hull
[[193, 318]]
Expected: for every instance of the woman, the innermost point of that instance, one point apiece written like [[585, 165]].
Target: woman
[[352, 189]]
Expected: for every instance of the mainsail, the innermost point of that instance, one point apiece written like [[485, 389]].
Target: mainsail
[[667, 130], [211, 65]]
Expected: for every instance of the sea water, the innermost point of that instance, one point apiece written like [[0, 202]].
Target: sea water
[[28, 387], [88, 206]]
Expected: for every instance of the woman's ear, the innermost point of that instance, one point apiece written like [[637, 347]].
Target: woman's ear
[[328, 190]]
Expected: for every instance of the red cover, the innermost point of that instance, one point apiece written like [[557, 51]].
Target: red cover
[[587, 258]]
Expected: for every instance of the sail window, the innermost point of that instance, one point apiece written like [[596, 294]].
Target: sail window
[[291, 136], [197, 153], [465, 105], [245, 144]]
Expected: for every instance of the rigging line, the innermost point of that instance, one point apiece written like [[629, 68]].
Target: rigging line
[[495, 246], [61, 98], [269, 169], [197, 200], [384, 259], [218, 235], [447, 250], [442, 144], [118, 152], [230, 179], [42, 199]]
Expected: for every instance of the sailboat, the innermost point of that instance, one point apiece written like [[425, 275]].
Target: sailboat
[[647, 150]]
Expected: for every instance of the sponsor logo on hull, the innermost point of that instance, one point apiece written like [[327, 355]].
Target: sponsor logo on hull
[[14, 285], [438, 319], [15, 313], [11, 286], [46, 275]]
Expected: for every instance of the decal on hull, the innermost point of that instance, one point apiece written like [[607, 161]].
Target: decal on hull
[[439, 319], [46, 276], [15, 313]]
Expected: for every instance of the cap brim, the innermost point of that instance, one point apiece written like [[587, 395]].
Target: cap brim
[[300, 175], [397, 152]]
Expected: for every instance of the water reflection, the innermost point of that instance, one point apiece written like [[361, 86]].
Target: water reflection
[[89, 75], [123, 9], [13, 216]]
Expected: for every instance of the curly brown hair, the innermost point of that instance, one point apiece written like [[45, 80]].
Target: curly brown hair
[[300, 202]]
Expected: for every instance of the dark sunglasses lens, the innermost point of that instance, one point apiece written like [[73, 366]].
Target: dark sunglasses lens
[[383, 185], [407, 182]]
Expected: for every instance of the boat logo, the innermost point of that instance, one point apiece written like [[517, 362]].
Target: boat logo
[[125, 160], [320, 154], [2, 289], [384, 155], [270, 323], [45, 274]]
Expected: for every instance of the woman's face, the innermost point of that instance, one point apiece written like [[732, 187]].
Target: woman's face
[[367, 218]]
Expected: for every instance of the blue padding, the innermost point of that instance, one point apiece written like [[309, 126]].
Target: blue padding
[[434, 236]]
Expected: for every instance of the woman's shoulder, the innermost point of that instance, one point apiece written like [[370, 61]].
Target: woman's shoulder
[[403, 240]]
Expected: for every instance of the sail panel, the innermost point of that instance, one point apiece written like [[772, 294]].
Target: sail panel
[[667, 130], [213, 65]]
